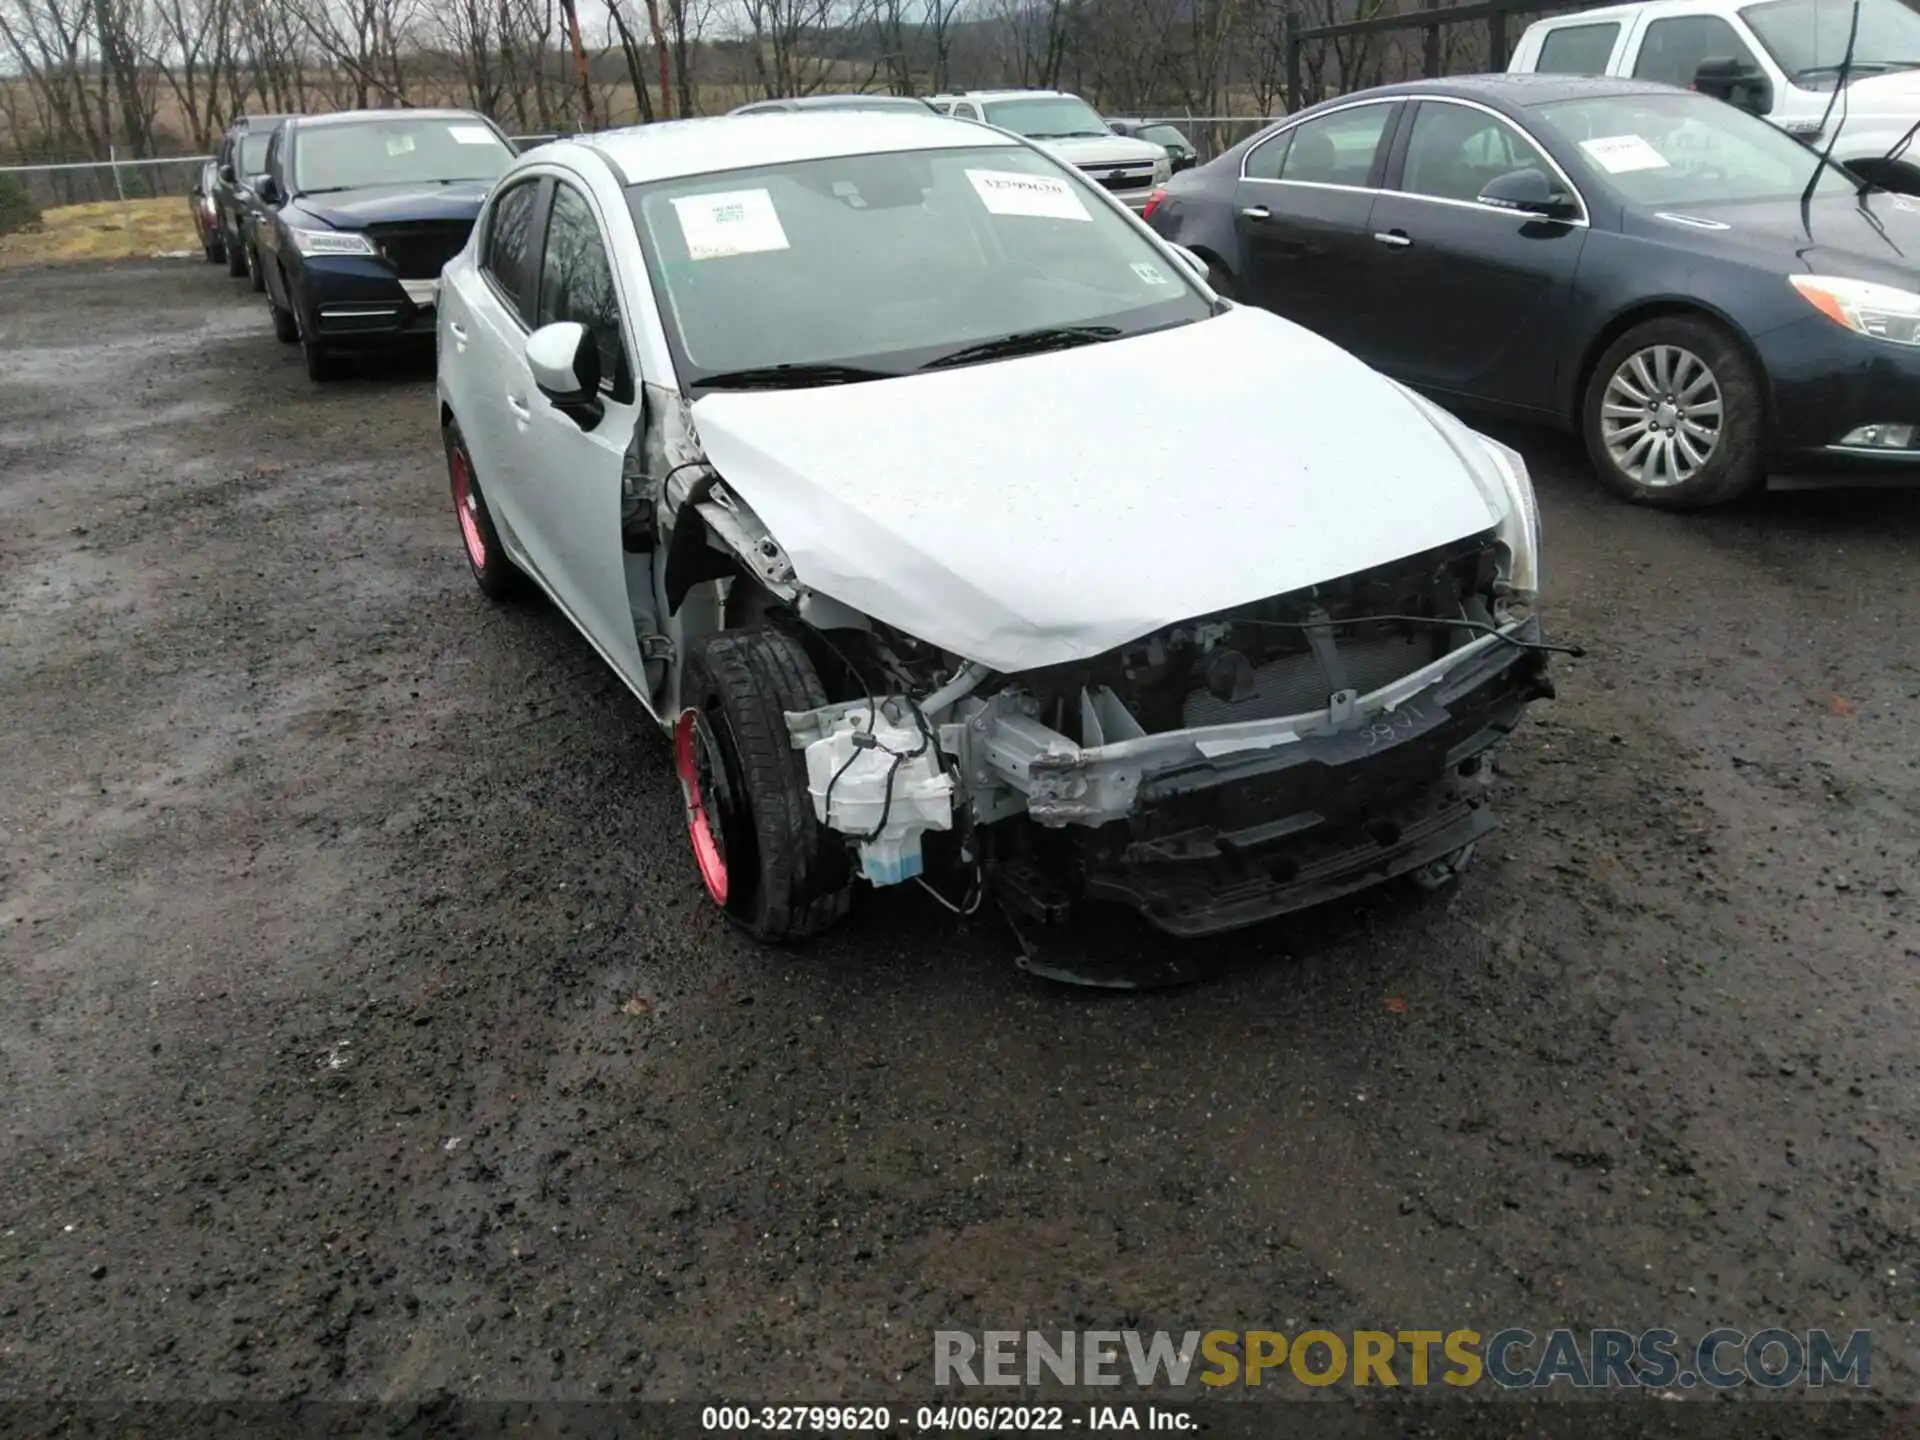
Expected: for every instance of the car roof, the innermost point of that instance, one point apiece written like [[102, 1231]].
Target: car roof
[[668, 149], [1519, 90], [1012, 94], [349, 117], [1608, 13], [829, 102], [247, 122]]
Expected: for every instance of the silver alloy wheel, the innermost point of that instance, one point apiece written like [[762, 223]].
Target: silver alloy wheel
[[1661, 416]]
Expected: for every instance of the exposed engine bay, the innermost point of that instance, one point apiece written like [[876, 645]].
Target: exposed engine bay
[[1209, 774]]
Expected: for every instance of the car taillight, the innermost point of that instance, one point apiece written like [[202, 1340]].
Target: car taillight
[[1153, 204]]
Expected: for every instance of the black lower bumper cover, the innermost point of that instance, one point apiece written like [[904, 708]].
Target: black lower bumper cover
[[1230, 843]]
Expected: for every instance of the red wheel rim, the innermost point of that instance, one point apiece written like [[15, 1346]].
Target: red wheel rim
[[700, 827], [466, 504]]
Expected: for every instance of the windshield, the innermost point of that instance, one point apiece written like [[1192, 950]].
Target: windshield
[[887, 261], [253, 152], [1680, 149], [1046, 117], [1165, 135], [399, 150], [1808, 38]]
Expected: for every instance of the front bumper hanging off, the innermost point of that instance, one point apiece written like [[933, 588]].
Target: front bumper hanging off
[[1210, 829]]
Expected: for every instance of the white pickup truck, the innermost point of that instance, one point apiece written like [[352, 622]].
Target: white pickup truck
[[1777, 58]]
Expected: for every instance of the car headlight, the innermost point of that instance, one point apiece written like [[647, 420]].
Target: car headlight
[[331, 242], [1878, 311], [1162, 170], [1520, 531]]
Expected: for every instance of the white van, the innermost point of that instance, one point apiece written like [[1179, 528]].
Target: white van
[[1777, 58]]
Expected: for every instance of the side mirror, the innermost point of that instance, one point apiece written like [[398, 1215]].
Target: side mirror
[[226, 174], [1529, 191], [267, 188], [565, 361], [1743, 86]]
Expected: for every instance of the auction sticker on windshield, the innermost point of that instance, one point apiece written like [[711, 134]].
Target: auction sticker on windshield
[[1617, 154], [1009, 192], [734, 222], [470, 134]]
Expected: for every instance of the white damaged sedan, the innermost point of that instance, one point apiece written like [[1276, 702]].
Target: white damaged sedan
[[956, 533]]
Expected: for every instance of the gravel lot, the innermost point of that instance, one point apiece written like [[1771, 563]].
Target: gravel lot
[[367, 1033]]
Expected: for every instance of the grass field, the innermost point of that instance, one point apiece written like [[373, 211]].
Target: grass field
[[110, 230]]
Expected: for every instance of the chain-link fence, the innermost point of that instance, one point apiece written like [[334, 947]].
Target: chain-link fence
[[85, 181]]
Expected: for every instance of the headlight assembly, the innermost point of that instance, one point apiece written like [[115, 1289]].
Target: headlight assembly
[[1162, 170], [1880, 312], [331, 242], [1520, 531]]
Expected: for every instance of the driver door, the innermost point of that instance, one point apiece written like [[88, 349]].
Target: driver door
[[1472, 297], [569, 477]]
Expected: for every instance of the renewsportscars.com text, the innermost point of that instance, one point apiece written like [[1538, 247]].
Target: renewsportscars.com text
[[1514, 1359]]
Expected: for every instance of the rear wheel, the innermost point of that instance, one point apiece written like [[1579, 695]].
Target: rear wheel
[[256, 277], [497, 576], [1674, 416], [763, 857], [213, 250], [1221, 283], [236, 255]]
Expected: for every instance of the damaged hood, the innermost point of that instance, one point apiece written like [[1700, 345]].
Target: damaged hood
[[1046, 509]]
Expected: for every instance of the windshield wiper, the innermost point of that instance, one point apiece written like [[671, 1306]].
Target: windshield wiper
[[791, 377], [1025, 342]]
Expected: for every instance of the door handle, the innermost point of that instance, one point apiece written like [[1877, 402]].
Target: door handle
[[1257, 212], [519, 407], [455, 329], [1392, 237]]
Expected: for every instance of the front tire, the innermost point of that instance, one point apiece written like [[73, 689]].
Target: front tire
[[236, 255], [497, 576], [763, 856], [1674, 416], [321, 367], [256, 277]]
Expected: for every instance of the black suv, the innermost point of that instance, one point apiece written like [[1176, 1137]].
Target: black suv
[[241, 161], [360, 212]]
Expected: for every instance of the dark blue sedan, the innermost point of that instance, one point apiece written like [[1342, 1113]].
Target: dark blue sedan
[[1686, 286]]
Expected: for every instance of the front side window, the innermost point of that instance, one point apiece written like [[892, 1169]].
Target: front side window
[[576, 280], [1808, 38], [1578, 49], [1337, 149], [1671, 50], [397, 150], [1454, 152], [889, 261], [509, 245], [1046, 117], [1663, 149]]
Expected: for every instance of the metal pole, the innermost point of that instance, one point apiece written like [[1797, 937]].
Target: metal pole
[[113, 159], [1293, 61], [1432, 66], [1497, 38]]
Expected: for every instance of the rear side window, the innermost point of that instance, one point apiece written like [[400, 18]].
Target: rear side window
[[1672, 50], [1578, 49], [509, 249], [576, 281], [1337, 149]]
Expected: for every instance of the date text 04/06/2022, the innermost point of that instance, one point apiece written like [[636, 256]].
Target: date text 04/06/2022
[[996, 1419]]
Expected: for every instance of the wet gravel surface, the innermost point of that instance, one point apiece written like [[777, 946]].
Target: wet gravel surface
[[367, 1034]]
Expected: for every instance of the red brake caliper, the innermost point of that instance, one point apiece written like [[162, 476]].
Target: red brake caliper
[[706, 849]]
